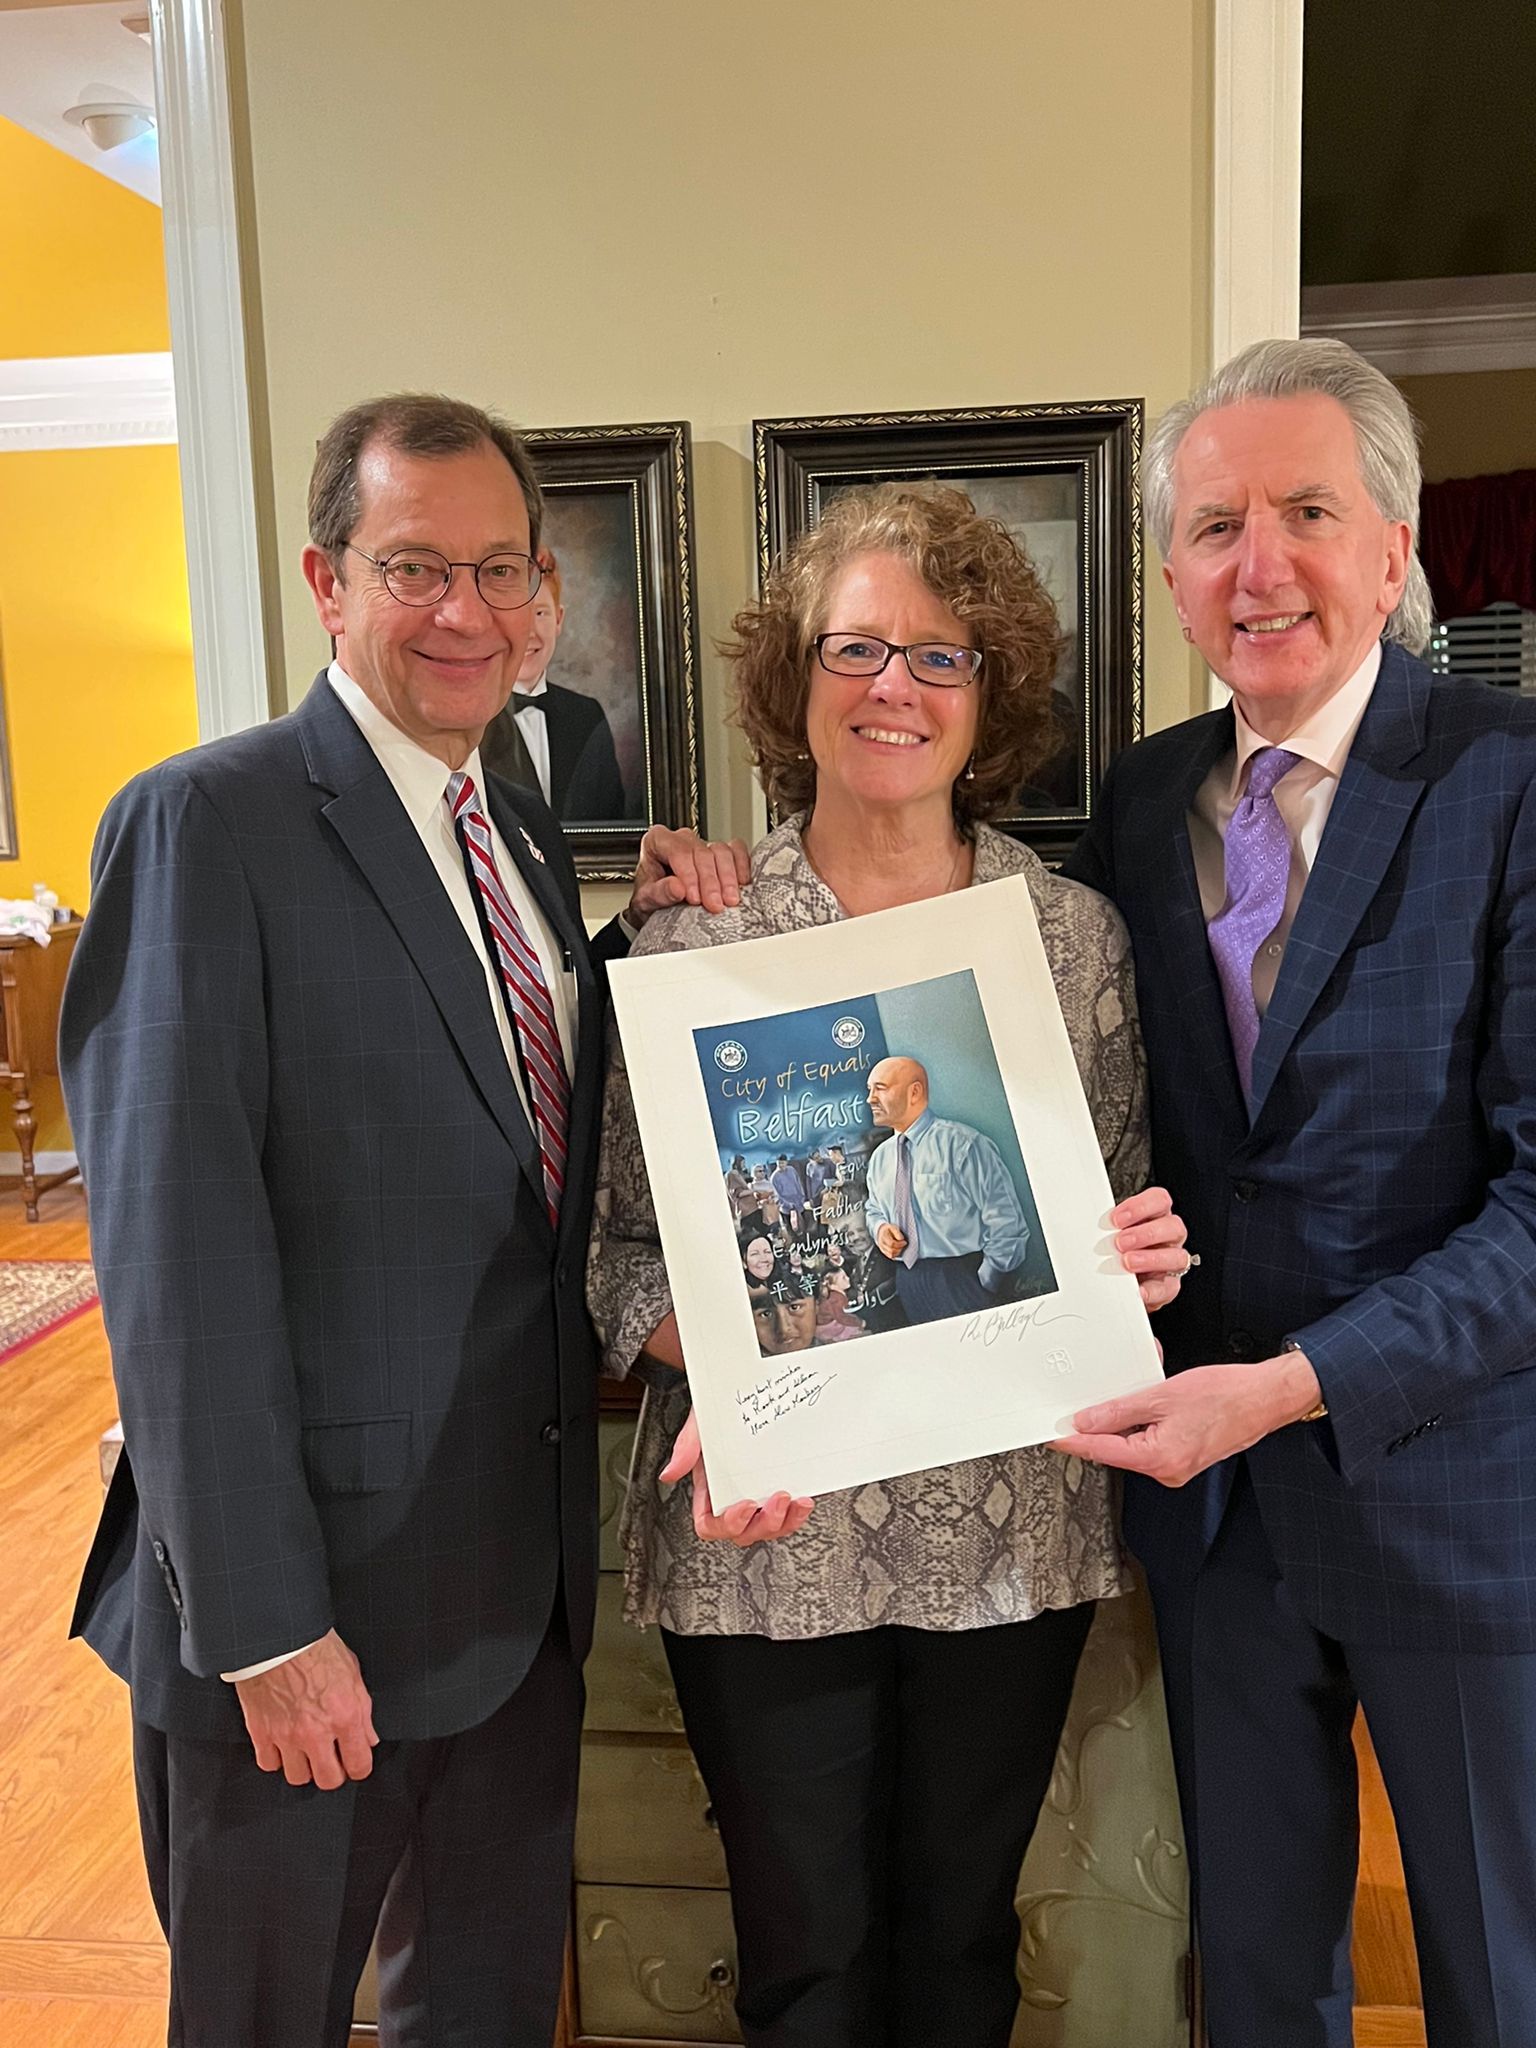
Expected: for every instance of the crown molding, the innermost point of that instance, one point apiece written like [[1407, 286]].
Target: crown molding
[[86, 402], [1426, 326]]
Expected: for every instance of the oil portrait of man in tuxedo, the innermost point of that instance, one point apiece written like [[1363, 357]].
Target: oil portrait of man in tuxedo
[[555, 739]]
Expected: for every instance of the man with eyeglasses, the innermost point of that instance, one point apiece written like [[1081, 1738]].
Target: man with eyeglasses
[[332, 1049]]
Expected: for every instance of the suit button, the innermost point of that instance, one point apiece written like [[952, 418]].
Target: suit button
[[1239, 1344], [550, 1433], [1245, 1191]]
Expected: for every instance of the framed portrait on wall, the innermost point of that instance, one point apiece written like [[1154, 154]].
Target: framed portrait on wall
[[604, 719], [1062, 479]]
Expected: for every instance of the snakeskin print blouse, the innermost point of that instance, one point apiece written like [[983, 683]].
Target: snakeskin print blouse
[[991, 1540]]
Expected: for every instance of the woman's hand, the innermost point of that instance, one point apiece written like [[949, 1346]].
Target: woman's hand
[[1150, 1240], [749, 1521]]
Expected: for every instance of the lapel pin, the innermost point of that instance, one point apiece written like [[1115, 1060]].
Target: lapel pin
[[528, 842]]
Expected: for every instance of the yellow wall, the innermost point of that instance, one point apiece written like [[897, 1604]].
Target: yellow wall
[[97, 661], [600, 212], [95, 638], [81, 259], [1475, 424]]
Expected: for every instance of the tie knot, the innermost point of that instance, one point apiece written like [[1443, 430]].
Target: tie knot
[[1269, 765], [461, 793]]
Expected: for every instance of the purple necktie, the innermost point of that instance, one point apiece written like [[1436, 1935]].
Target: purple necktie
[[1258, 868]]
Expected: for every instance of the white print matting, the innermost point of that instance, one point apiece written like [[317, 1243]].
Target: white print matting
[[721, 1065]]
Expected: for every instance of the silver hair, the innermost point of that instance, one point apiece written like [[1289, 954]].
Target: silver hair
[[1386, 440]]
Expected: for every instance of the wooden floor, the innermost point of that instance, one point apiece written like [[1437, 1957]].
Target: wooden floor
[[82, 1964], [1388, 2012], [81, 1959]]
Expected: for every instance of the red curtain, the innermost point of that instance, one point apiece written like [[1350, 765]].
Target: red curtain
[[1477, 540]]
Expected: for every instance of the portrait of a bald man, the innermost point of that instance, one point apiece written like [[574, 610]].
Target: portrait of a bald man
[[941, 1204]]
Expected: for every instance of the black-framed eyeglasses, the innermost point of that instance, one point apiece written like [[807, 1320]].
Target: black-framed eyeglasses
[[936, 662], [421, 576]]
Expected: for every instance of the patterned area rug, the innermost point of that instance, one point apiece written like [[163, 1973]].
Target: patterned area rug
[[38, 1296]]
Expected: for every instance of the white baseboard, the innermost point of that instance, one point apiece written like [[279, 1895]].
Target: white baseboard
[[42, 1162]]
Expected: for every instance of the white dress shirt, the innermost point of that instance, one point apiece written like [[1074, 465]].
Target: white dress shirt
[[534, 727], [1303, 798], [420, 781]]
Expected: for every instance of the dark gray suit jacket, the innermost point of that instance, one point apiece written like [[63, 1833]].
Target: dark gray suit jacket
[[357, 1379]]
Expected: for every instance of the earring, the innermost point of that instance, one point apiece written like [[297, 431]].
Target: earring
[[970, 770]]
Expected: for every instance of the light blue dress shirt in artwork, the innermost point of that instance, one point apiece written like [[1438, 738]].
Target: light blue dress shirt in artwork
[[962, 1193]]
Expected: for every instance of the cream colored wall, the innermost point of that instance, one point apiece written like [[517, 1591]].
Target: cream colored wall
[[603, 212], [1477, 423]]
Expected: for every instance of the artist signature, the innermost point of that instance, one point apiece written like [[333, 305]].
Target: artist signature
[[989, 1325]]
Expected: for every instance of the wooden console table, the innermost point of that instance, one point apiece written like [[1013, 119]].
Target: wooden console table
[[31, 990]]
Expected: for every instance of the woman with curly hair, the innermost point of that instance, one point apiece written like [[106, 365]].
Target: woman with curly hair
[[875, 1698]]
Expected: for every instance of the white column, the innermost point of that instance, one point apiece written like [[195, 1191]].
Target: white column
[[1255, 180], [208, 353]]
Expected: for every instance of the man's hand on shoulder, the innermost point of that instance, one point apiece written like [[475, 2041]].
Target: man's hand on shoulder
[[312, 1717], [679, 867], [1179, 1427]]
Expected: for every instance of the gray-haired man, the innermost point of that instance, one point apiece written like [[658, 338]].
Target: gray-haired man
[[1331, 892]]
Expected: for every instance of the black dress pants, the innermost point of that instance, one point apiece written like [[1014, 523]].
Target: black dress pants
[[458, 1850], [875, 1794]]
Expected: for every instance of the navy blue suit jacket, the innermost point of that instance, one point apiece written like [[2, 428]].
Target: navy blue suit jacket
[[357, 1380], [1379, 1208]]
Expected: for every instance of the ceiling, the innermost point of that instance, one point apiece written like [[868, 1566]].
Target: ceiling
[[54, 56]]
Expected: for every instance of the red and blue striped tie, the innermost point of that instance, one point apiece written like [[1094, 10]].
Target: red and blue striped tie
[[533, 1014]]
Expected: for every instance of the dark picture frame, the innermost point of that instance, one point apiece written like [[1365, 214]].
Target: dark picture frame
[[619, 520], [1062, 477]]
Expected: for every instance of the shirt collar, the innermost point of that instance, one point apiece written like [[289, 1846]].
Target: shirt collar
[[533, 690], [420, 779], [1324, 738], [918, 1125]]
